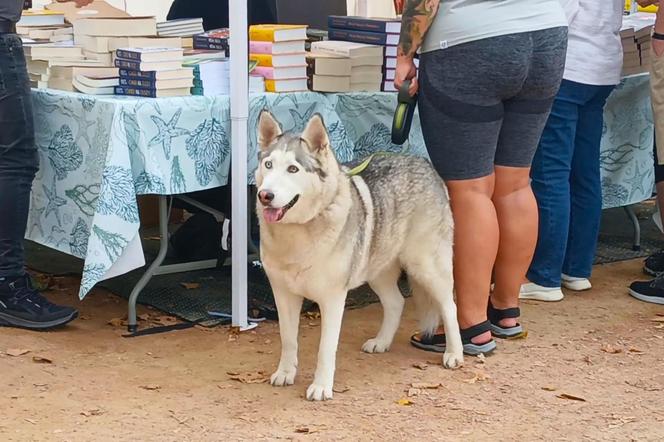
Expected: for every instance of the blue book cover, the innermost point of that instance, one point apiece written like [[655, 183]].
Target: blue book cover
[[380, 25], [372, 38]]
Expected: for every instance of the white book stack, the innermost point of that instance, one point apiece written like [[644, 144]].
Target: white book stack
[[636, 42], [366, 65], [185, 27]]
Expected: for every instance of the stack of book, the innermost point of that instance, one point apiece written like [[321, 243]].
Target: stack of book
[[98, 36], [383, 32], [215, 40], [212, 77], [152, 72], [186, 28], [636, 39], [279, 52], [341, 66]]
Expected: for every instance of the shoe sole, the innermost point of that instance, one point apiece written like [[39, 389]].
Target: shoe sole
[[468, 349], [12, 321], [542, 296], [650, 272], [570, 286], [506, 333], [645, 298]]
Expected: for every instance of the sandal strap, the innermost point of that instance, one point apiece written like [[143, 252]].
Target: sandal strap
[[496, 315], [469, 333]]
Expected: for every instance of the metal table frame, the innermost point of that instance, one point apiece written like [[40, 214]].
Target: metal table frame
[[156, 268]]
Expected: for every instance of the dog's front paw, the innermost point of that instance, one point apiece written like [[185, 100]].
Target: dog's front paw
[[282, 378], [317, 392], [452, 360], [375, 346]]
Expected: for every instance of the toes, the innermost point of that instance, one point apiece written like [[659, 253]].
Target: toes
[[319, 392], [452, 360], [375, 346], [282, 379]]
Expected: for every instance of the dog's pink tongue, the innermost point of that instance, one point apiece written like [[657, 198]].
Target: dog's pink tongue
[[272, 215]]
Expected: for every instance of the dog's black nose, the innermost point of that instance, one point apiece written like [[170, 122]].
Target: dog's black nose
[[265, 197]]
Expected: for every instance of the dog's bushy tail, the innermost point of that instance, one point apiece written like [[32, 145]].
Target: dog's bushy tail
[[427, 310]]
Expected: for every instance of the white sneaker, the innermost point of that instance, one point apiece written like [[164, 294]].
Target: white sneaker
[[539, 293], [576, 284]]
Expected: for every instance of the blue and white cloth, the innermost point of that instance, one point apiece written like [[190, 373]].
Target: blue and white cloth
[[98, 153]]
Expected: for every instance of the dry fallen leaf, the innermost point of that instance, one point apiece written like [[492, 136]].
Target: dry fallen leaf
[[30, 421], [304, 430], [549, 388], [658, 319], [95, 412], [404, 401], [341, 389], [17, 351], [117, 322], [258, 377], [425, 385], [190, 285], [587, 360], [479, 377], [421, 365], [522, 335], [41, 360], [570, 397], [608, 348], [412, 392], [166, 320], [635, 350], [312, 315], [151, 387]]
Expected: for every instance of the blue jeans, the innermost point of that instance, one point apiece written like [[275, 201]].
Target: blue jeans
[[566, 182], [19, 161]]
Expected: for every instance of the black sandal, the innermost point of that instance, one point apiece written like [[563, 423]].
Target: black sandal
[[436, 342], [496, 315]]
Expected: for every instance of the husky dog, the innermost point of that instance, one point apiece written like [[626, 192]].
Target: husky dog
[[324, 232]]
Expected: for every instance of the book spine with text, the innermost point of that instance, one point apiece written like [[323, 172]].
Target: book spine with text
[[137, 75], [136, 92], [356, 23], [133, 65], [138, 83], [371, 38]]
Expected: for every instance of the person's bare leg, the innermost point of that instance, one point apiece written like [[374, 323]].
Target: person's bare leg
[[516, 208], [475, 246]]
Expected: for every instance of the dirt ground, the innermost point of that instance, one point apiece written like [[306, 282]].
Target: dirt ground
[[591, 368]]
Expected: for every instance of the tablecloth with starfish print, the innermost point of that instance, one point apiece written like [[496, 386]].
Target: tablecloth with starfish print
[[98, 153], [626, 153]]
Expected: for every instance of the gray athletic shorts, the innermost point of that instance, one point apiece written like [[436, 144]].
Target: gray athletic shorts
[[486, 102]]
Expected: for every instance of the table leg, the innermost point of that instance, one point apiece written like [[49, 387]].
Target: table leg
[[163, 249], [637, 227]]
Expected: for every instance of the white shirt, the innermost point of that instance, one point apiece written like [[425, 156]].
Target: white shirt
[[594, 49], [463, 21]]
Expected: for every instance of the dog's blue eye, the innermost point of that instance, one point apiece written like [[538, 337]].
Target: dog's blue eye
[[268, 164], [293, 169]]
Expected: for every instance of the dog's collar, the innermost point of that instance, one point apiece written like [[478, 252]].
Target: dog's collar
[[364, 164]]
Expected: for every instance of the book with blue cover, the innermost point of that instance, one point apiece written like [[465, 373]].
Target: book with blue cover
[[369, 24], [373, 38]]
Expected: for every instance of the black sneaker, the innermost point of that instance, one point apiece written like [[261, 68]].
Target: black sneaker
[[654, 264], [649, 291], [22, 306]]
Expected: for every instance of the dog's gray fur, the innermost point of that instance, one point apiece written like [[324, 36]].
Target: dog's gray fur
[[346, 231]]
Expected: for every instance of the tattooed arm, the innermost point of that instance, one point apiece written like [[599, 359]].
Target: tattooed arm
[[415, 22]]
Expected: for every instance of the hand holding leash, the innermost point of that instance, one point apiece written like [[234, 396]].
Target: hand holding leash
[[403, 116]]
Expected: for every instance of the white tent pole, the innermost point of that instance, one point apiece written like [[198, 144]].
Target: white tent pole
[[239, 115]]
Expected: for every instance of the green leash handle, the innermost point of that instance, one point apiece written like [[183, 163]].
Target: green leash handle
[[403, 115]]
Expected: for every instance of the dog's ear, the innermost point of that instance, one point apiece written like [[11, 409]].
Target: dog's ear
[[315, 134], [268, 129]]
